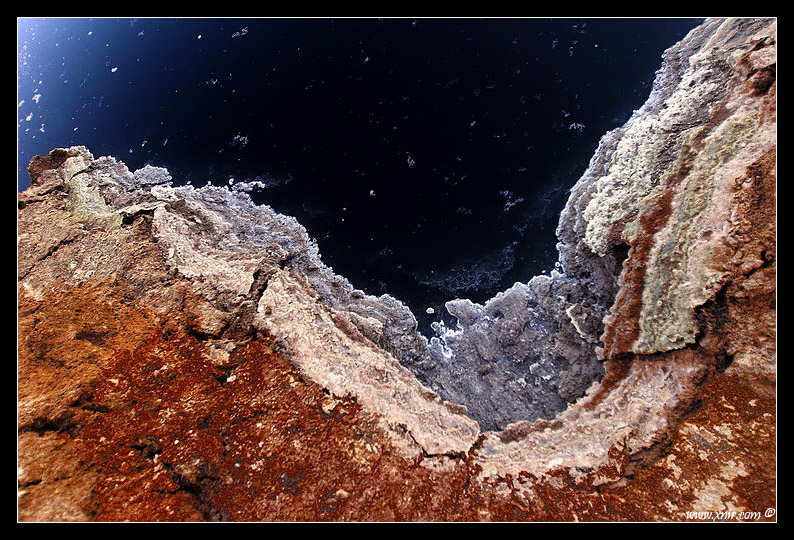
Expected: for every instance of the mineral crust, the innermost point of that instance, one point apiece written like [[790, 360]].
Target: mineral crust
[[185, 354]]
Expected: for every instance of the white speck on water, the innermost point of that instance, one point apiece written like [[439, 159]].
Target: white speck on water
[[510, 201], [114, 69]]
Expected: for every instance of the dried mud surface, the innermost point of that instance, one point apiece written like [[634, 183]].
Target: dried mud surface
[[141, 423]]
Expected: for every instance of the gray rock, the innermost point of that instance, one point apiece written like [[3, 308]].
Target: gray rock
[[152, 176]]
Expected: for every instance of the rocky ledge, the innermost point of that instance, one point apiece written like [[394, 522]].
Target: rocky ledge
[[185, 355]]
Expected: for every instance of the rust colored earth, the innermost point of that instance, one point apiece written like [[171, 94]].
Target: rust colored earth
[[155, 428]]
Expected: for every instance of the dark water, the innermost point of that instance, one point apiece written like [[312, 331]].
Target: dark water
[[429, 157]]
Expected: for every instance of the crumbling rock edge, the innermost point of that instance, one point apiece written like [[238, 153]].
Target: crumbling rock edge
[[666, 287]]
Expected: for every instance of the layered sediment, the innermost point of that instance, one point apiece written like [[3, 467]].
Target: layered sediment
[[185, 354]]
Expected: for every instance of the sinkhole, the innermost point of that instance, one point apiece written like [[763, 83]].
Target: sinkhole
[[429, 158]]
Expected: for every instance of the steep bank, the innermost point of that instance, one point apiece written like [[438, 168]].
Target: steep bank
[[185, 354]]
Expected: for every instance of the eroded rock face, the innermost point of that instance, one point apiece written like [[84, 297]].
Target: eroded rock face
[[185, 354], [658, 193]]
